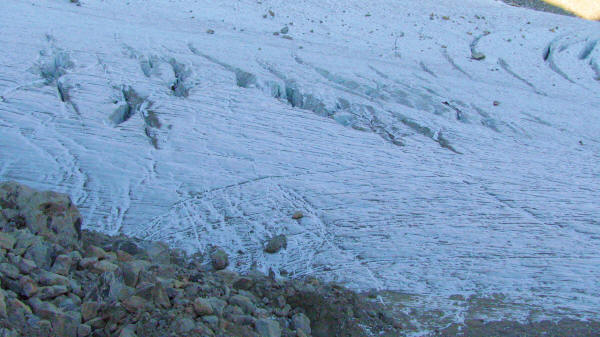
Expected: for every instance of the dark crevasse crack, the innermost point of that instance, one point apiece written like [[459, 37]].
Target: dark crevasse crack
[[504, 65], [362, 117], [358, 116], [587, 50], [64, 94], [150, 65], [380, 129], [427, 132], [596, 68], [486, 120], [426, 69], [586, 53], [181, 85], [409, 96], [290, 90], [459, 114], [476, 55], [379, 73], [549, 58], [453, 64], [348, 85], [131, 103], [152, 125], [297, 99], [445, 143], [243, 79], [53, 64]]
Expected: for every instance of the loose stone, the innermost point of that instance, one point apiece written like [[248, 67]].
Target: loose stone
[[220, 260], [7, 241], [62, 264], [202, 307], [276, 243], [9, 270], [268, 328], [301, 322], [84, 330], [26, 266]]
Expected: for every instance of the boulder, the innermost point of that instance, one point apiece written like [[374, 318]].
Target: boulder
[[243, 283], [283, 311], [218, 305], [104, 266], [28, 287], [47, 278], [65, 303], [24, 240], [7, 241], [47, 293], [44, 310], [93, 251], [49, 214], [477, 55], [301, 322], [26, 266], [134, 304], [128, 246], [243, 319], [9, 333], [243, 302], [276, 243], [3, 313], [219, 259], [158, 252], [268, 328], [128, 331], [202, 307], [159, 294], [212, 321], [96, 323], [110, 287], [40, 252], [89, 310], [84, 330], [18, 314], [9, 270], [67, 324], [184, 326]]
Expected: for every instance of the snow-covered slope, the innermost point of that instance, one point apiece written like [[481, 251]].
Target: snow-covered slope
[[418, 168]]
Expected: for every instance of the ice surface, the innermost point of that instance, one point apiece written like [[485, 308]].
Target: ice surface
[[418, 168]]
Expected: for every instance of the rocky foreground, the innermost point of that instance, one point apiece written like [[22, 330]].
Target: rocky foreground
[[60, 280]]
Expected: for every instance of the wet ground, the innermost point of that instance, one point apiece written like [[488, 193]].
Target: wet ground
[[481, 316], [565, 327]]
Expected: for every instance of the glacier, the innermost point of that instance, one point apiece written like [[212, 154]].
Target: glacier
[[439, 150]]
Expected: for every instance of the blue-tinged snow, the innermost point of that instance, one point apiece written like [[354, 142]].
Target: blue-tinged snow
[[418, 168]]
